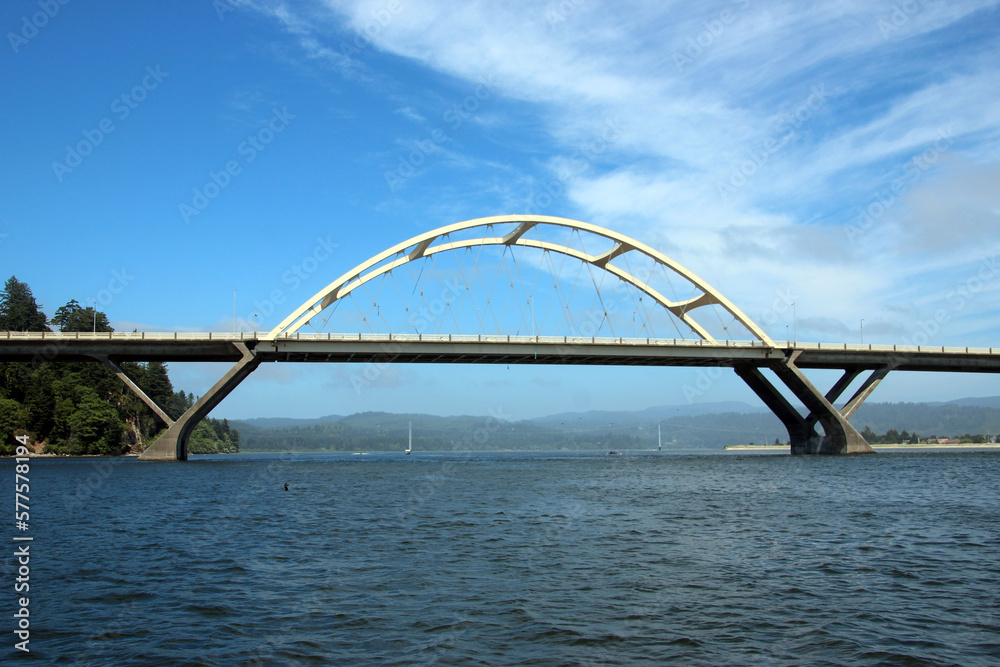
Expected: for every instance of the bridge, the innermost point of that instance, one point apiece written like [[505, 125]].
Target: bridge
[[535, 290]]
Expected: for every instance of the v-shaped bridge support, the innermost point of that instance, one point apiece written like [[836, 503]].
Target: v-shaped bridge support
[[172, 445], [839, 437]]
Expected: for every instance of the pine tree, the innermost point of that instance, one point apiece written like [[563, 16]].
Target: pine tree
[[72, 317], [156, 383], [18, 310]]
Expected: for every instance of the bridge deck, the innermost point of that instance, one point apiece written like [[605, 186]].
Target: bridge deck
[[485, 349]]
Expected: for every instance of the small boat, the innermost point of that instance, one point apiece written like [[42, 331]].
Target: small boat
[[409, 447]]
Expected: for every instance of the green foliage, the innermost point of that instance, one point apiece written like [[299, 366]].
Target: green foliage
[[212, 436], [380, 431], [72, 317], [10, 418], [83, 407], [18, 310]]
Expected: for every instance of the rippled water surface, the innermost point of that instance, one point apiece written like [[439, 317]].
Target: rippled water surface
[[516, 559]]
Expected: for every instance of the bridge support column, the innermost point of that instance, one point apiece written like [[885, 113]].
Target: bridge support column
[[840, 437], [172, 445], [136, 389]]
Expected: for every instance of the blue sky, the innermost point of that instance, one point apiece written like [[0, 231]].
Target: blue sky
[[839, 155]]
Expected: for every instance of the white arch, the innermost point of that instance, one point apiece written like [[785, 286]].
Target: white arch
[[422, 246]]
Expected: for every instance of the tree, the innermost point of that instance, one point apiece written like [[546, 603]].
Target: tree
[[72, 317], [80, 407], [10, 419], [156, 383], [18, 310]]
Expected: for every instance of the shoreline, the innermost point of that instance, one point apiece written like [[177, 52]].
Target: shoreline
[[967, 445]]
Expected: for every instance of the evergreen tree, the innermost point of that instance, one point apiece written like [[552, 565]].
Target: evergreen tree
[[18, 310], [10, 419], [156, 383], [82, 407], [72, 317]]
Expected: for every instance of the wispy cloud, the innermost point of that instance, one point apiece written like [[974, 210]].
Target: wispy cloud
[[752, 133]]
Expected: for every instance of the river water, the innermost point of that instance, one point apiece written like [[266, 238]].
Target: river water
[[515, 559]]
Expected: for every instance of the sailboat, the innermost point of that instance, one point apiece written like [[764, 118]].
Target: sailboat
[[409, 448], [659, 438]]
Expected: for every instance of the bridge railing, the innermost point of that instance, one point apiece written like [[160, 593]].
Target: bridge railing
[[200, 336], [908, 349], [127, 335], [504, 338]]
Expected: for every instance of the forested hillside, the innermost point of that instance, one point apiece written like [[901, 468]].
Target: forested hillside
[[887, 423], [381, 431], [82, 407]]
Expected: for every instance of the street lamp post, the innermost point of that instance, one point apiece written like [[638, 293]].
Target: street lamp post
[[795, 324], [531, 309], [862, 331], [95, 315], [234, 310]]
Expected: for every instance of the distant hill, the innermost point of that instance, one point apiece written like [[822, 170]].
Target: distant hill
[[707, 426], [275, 422], [983, 402], [658, 412], [381, 431]]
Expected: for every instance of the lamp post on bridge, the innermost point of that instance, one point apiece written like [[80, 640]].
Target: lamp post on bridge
[[234, 311], [795, 324], [94, 301], [531, 309], [862, 331]]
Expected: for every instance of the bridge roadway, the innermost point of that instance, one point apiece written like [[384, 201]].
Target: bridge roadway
[[748, 359], [486, 349]]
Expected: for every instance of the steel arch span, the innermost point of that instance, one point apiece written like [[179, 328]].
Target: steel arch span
[[523, 231]]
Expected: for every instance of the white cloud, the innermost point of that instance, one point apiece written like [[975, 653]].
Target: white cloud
[[806, 111]]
